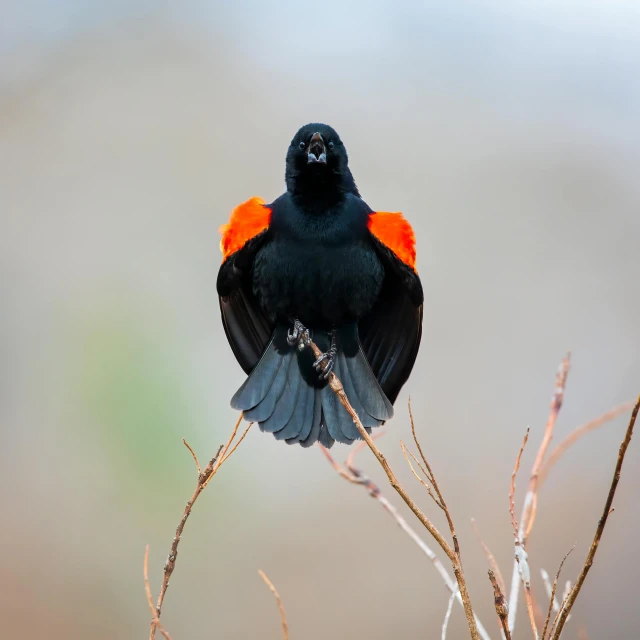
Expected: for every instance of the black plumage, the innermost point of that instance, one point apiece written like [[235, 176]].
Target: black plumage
[[318, 262]]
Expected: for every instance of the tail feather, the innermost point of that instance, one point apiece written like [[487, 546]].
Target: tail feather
[[371, 395], [257, 385], [265, 408], [345, 377], [286, 401], [308, 421], [338, 421], [283, 395], [296, 421], [324, 437], [314, 433]]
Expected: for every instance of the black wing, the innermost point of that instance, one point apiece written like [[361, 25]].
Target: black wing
[[247, 327], [390, 334]]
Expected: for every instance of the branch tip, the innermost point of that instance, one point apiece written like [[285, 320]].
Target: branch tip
[[276, 595]]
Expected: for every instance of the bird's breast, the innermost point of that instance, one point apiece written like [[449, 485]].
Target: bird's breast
[[321, 283]]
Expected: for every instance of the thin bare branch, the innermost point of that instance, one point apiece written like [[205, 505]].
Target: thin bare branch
[[561, 448], [147, 588], [235, 446], [530, 504], [432, 478], [551, 592], [556, 404], [193, 453], [454, 557], [424, 484], [230, 440], [501, 605], [547, 586], [355, 476], [555, 620], [490, 557], [573, 594], [512, 489], [349, 477], [521, 557], [529, 507], [170, 564], [528, 598], [360, 446], [447, 615], [429, 472], [276, 595], [204, 477]]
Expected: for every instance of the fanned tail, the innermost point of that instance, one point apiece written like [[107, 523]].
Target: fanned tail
[[284, 396]]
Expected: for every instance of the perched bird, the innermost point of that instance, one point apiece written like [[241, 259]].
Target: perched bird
[[318, 263]]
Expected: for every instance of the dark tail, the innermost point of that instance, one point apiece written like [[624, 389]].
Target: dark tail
[[284, 396]]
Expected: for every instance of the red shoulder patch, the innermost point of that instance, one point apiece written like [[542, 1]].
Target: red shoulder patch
[[246, 221], [395, 232]]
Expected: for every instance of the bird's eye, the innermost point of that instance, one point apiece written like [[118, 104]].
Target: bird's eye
[[302, 145], [331, 144]]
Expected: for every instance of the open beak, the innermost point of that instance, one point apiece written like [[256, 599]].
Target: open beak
[[317, 152]]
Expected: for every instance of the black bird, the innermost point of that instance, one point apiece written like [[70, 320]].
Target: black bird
[[318, 263]]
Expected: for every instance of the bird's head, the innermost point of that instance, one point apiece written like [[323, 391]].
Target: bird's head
[[317, 163]]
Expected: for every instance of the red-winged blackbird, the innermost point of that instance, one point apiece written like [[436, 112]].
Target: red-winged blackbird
[[319, 263]]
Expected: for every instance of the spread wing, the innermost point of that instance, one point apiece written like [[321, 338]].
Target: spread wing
[[390, 334], [247, 327]]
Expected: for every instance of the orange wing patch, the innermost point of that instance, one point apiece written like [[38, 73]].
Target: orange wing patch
[[247, 220], [395, 232]]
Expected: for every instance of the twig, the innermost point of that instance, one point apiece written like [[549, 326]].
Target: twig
[[147, 589], [551, 592], [235, 446], [528, 598], [556, 405], [432, 478], [283, 616], [355, 476], [490, 557], [573, 594], [193, 453], [233, 435], [170, 564], [424, 484], [204, 477], [512, 488], [220, 458], [521, 556], [454, 557], [341, 471], [561, 448], [529, 507], [560, 608], [360, 446], [447, 615], [501, 605], [543, 472]]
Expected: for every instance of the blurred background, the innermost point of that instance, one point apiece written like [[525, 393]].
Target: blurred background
[[508, 133]]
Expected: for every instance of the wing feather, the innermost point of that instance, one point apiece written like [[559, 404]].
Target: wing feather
[[246, 325], [390, 334]]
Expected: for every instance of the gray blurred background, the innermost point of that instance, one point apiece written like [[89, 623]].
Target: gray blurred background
[[508, 133]]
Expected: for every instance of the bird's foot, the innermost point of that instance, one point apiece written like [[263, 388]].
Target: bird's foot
[[299, 335], [325, 363]]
